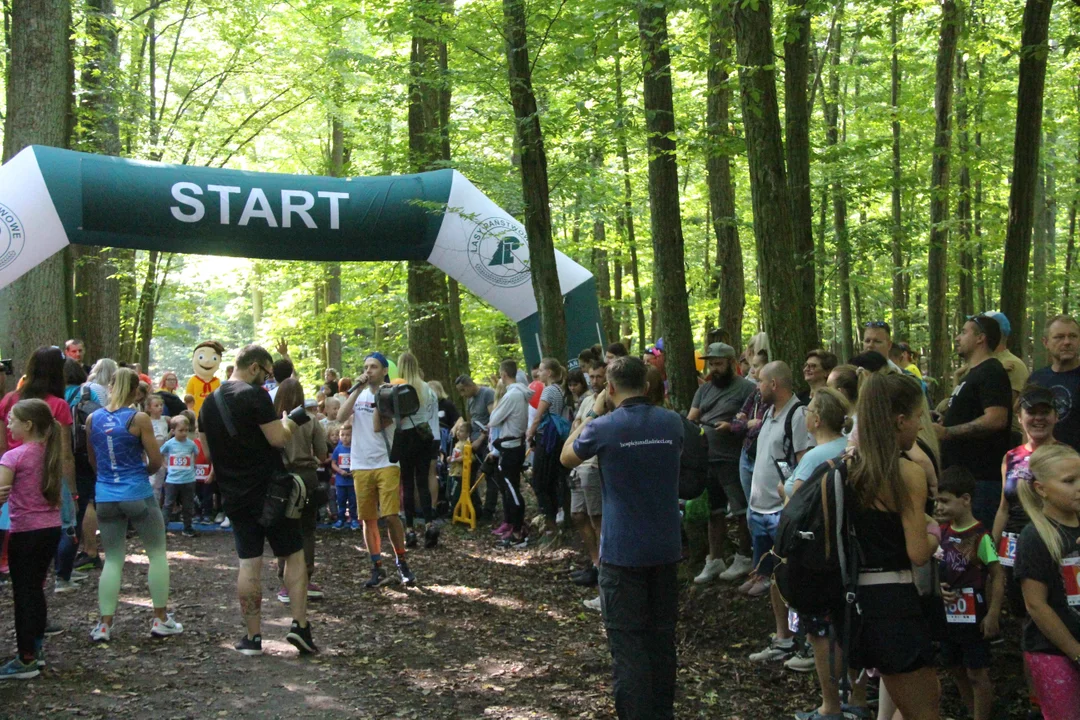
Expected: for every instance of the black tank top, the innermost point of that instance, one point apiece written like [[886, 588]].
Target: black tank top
[[881, 540]]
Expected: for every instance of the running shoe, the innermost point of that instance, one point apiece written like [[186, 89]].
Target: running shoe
[[815, 715], [300, 638], [189, 533], [339, 525], [166, 627], [802, 661], [283, 595], [714, 567], [249, 646], [85, 562], [410, 539], [857, 712], [588, 577], [749, 583], [354, 525], [52, 630], [78, 577], [226, 523], [778, 650], [220, 518], [65, 586], [16, 669], [502, 529], [314, 592], [39, 652], [760, 588], [378, 578], [739, 567], [407, 578], [593, 604], [100, 633], [431, 536]]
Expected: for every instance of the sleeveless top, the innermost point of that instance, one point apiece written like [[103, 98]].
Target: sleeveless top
[[121, 471], [881, 540], [1016, 472]]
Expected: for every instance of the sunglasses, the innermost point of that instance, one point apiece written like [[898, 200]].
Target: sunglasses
[[978, 320], [880, 324]]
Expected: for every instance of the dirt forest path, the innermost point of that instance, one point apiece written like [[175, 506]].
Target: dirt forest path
[[487, 633]]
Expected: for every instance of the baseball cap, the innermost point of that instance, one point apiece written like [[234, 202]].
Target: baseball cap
[[1002, 321], [1035, 395], [719, 350]]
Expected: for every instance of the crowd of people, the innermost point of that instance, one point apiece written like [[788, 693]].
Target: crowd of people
[[966, 513]]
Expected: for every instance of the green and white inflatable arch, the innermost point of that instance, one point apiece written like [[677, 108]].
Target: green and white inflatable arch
[[50, 198]]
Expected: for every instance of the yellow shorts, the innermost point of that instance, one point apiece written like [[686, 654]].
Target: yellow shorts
[[377, 492]]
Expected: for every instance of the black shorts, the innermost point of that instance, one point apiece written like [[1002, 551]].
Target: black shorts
[[1014, 596], [968, 650], [285, 537], [892, 634], [725, 487], [86, 486]]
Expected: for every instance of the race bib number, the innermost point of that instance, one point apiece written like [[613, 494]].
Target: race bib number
[[1070, 571], [345, 462], [202, 473], [1007, 549], [180, 461], [963, 610]]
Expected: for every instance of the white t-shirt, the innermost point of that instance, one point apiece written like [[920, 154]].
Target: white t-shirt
[[370, 450]]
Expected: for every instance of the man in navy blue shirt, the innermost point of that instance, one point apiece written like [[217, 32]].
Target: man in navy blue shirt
[[638, 446]]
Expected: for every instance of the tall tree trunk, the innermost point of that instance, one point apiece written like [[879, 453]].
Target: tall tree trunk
[[33, 310], [628, 203], [831, 100], [459, 363], [780, 291], [426, 284], [937, 268], [603, 278], [728, 273], [333, 270], [1029, 107], [980, 261], [1038, 263], [669, 272], [1049, 291], [616, 287], [966, 261], [1070, 253], [899, 307], [797, 139], [534, 182]]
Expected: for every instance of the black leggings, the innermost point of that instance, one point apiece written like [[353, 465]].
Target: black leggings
[[29, 556], [510, 463], [548, 477], [416, 459]]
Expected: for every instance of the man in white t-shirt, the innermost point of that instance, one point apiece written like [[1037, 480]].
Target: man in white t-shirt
[[377, 480]]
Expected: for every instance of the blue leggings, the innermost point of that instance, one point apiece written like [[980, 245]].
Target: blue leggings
[[346, 501]]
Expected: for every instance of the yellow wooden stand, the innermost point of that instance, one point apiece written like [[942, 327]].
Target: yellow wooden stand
[[464, 512]]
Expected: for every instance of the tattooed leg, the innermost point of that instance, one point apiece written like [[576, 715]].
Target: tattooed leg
[[249, 590]]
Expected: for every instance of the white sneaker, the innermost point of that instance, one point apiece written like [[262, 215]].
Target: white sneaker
[[802, 661], [77, 576], [738, 569], [560, 517], [712, 570], [219, 518], [226, 524], [63, 586], [101, 632], [593, 604], [778, 650], [165, 628]]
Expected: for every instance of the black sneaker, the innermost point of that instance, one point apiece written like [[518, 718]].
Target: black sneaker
[[407, 578], [85, 562], [53, 630], [378, 578], [588, 577], [300, 638], [249, 646], [189, 532], [410, 539], [431, 536]]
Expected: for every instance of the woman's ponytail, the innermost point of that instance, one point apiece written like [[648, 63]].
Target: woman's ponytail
[[50, 483]]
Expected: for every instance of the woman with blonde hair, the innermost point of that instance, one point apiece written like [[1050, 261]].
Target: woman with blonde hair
[[418, 436]]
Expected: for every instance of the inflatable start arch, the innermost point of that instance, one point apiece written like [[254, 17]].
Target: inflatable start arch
[[50, 198]]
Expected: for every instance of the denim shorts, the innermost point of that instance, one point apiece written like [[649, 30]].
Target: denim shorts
[[762, 536]]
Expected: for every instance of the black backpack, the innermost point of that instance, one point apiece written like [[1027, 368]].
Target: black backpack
[[789, 441], [80, 411], [816, 549], [693, 461]]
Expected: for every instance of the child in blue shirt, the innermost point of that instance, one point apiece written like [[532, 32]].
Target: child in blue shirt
[[340, 461], [179, 454]]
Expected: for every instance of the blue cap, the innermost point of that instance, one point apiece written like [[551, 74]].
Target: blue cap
[[378, 356], [1002, 321]]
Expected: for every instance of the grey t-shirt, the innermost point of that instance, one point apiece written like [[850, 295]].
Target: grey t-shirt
[[722, 404], [764, 490], [479, 415]]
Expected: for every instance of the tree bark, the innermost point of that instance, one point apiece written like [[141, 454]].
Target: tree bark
[[831, 100], [628, 203], [899, 306], [333, 270], [937, 269], [728, 273], [534, 182], [780, 291], [603, 279], [669, 272], [980, 262], [1070, 253], [1029, 107], [426, 284], [965, 257], [33, 311], [1038, 262], [459, 362], [797, 139]]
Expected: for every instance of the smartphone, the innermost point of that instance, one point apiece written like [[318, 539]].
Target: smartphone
[[783, 468]]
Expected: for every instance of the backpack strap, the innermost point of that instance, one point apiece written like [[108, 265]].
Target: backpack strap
[[223, 410], [789, 441]]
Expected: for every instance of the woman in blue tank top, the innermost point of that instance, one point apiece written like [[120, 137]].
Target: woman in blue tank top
[[119, 437]]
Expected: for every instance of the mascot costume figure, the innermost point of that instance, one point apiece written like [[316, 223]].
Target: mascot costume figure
[[205, 361]]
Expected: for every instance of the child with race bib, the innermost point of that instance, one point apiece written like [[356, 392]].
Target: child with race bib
[[180, 455], [30, 482], [1048, 570], [973, 588], [340, 464]]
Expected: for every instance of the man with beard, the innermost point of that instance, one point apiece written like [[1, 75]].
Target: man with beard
[[1062, 376], [715, 405]]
